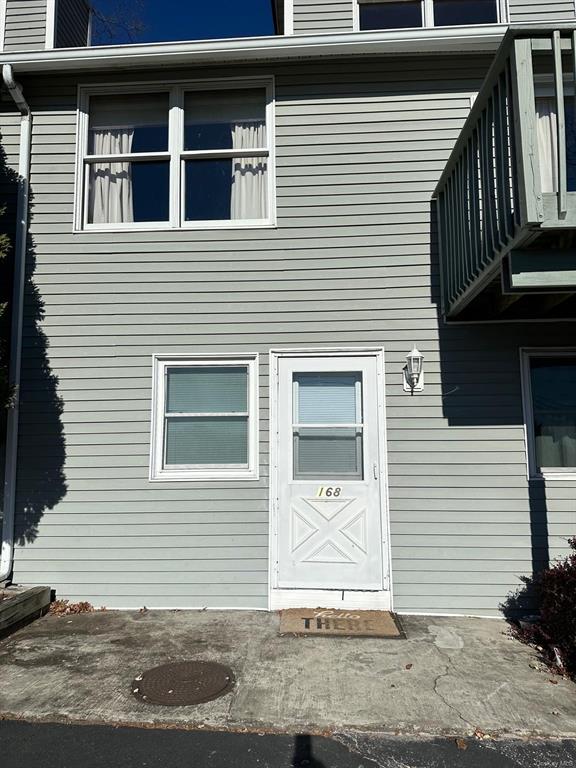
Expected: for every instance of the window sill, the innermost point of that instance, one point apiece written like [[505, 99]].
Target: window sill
[[201, 226], [199, 475], [550, 474]]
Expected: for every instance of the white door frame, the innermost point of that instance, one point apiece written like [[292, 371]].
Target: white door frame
[[313, 598]]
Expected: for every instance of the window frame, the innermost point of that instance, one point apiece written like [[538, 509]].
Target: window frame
[[191, 472], [427, 16], [534, 472], [176, 155]]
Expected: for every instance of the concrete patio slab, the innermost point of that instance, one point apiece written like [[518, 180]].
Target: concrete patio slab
[[449, 676]]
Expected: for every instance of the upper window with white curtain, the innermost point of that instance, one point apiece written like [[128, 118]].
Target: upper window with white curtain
[[185, 155]]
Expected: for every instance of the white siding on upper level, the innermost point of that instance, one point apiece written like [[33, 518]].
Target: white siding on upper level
[[540, 10], [24, 24], [311, 16]]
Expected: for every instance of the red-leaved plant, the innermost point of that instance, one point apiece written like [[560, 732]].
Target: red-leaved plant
[[555, 631]]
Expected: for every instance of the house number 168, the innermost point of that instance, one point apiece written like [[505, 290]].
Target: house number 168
[[328, 492]]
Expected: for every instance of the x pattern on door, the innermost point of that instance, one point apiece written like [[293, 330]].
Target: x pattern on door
[[328, 531]]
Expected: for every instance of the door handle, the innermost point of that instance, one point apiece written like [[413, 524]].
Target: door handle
[[375, 469]]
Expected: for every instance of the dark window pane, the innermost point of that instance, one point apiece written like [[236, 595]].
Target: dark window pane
[[151, 190], [390, 15], [122, 193], [461, 12], [570, 144], [554, 405], [128, 123], [207, 190], [231, 188], [230, 119]]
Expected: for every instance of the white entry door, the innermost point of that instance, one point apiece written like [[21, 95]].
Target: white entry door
[[329, 491]]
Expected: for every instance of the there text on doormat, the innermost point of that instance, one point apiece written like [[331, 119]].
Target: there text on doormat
[[335, 622]]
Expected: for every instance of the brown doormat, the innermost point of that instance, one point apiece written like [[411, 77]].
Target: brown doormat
[[337, 622]]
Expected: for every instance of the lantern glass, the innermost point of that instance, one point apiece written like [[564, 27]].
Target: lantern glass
[[413, 371], [414, 360]]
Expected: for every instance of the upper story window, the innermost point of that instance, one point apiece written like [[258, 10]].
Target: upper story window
[[402, 14], [181, 156]]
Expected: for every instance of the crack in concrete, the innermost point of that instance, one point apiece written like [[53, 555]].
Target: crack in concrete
[[449, 666]]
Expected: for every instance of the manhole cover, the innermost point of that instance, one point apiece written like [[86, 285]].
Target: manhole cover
[[184, 682]]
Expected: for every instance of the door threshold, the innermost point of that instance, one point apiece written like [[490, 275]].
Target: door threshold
[[330, 598]]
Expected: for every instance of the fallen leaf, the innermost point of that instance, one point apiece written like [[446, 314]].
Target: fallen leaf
[[65, 608], [461, 743]]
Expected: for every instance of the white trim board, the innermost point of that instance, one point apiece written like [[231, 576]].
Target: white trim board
[[280, 598], [51, 15], [289, 17], [3, 8], [330, 598]]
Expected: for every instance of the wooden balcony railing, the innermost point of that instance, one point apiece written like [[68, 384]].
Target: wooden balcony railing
[[490, 197]]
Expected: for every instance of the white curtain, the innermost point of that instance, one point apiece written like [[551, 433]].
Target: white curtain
[[110, 189], [248, 197], [547, 143], [556, 442]]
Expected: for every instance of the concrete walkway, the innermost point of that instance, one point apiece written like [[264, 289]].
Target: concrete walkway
[[450, 676]]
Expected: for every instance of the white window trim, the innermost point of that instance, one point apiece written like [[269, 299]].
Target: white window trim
[[533, 471], [201, 471], [3, 10], [428, 15], [51, 13], [289, 16], [176, 90]]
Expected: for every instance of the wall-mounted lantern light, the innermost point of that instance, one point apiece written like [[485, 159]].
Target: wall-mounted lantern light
[[413, 373]]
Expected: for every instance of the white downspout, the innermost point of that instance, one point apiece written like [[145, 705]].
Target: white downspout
[[17, 310]]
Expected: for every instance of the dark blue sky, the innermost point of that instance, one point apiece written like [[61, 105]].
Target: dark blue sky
[[164, 20]]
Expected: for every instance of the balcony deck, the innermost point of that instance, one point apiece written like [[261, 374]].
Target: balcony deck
[[506, 200]]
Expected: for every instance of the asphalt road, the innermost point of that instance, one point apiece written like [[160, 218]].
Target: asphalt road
[[31, 745]]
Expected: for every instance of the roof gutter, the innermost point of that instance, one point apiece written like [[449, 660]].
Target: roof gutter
[[441, 40], [15, 90]]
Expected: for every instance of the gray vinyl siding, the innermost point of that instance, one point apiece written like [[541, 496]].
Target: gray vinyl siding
[[25, 25], [73, 17], [359, 147], [311, 16], [545, 12]]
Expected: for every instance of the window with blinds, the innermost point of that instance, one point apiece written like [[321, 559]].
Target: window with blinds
[[205, 417], [327, 426]]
